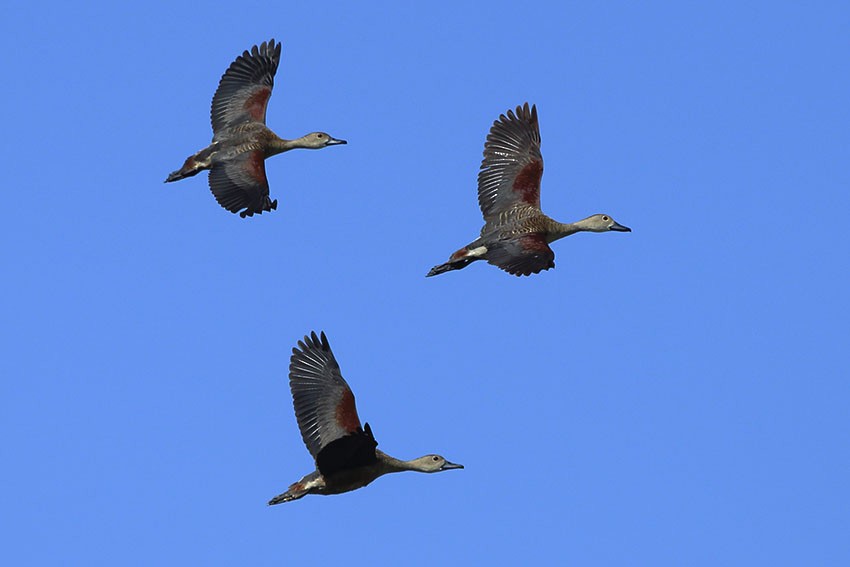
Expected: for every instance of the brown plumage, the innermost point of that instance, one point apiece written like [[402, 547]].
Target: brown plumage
[[241, 141], [516, 234], [346, 454]]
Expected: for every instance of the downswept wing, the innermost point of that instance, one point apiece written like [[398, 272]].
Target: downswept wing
[[245, 88], [522, 256], [513, 165], [325, 409], [240, 184]]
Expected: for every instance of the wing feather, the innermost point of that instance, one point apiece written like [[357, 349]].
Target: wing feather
[[513, 165], [240, 185], [324, 406], [522, 256], [245, 88]]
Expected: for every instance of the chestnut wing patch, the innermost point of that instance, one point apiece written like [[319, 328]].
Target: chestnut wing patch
[[513, 165], [245, 88], [256, 103], [522, 256], [527, 183]]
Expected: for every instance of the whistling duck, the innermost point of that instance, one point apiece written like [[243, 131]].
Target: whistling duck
[[516, 234], [241, 141], [345, 453]]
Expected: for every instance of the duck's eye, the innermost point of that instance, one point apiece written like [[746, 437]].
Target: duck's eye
[[320, 136], [604, 218], [436, 458]]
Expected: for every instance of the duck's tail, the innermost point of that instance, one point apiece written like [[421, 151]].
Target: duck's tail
[[296, 491], [193, 165], [459, 260], [186, 171]]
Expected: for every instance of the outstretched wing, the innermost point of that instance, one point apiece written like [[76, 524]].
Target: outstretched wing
[[522, 256], [240, 184], [244, 90], [325, 410], [512, 165]]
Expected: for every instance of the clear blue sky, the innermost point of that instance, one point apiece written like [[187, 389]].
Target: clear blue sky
[[674, 396]]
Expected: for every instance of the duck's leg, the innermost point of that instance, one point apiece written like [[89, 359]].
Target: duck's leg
[[460, 259], [295, 492], [194, 164], [309, 484]]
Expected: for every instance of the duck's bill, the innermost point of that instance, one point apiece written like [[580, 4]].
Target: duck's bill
[[620, 228], [335, 142], [449, 466]]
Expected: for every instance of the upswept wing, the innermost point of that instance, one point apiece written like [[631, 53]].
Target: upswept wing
[[512, 165], [325, 409], [244, 90]]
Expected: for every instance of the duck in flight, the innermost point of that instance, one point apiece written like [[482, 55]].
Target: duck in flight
[[516, 234], [241, 141], [346, 454]]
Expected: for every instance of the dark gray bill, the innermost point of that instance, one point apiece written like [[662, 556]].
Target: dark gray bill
[[449, 466]]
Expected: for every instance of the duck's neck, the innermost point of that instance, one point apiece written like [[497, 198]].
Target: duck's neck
[[279, 145], [559, 230], [393, 465]]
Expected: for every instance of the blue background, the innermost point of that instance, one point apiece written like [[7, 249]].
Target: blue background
[[674, 396]]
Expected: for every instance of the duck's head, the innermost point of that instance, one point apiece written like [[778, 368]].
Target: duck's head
[[433, 463], [318, 140], [602, 223]]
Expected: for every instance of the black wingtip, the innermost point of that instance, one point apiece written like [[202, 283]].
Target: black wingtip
[[368, 430], [524, 112], [267, 49], [314, 341]]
